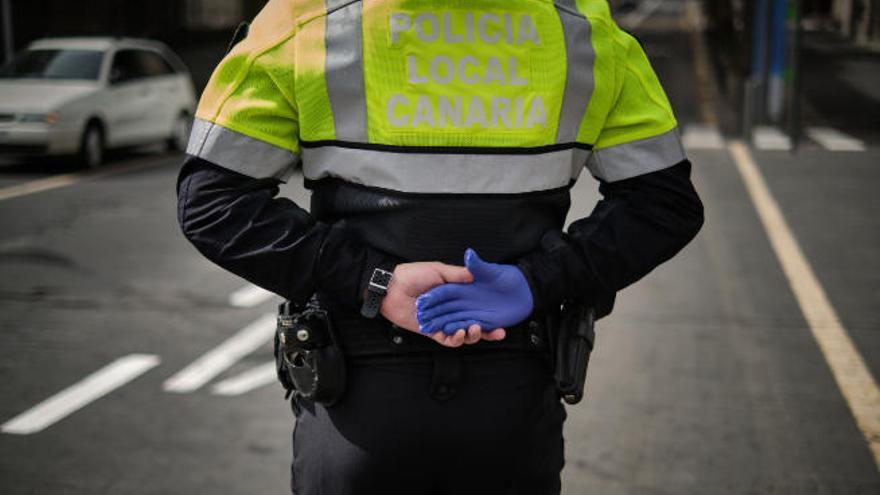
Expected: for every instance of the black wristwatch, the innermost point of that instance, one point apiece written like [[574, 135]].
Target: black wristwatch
[[376, 290]]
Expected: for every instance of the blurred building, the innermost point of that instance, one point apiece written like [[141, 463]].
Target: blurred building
[[167, 20], [218, 14], [858, 19], [772, 72]]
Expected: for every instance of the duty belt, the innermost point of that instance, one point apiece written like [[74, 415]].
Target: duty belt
[[362, 337]]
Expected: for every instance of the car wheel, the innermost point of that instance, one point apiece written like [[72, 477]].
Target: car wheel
[[180, 133], [91, 150]]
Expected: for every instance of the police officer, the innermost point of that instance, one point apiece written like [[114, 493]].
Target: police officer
[[428, 129]]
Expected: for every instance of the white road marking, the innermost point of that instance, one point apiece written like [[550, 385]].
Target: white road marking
[[79, 395], [219, 359], [847, 365], [834, 140], [56, 181], [252, 379], [702, 137], [250, 296], [770, 139]]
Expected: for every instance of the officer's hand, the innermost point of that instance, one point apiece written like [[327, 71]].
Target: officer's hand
[[475, 333], [499, 297], [411, 280], [468, 333]]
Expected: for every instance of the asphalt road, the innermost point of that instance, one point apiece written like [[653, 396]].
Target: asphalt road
[[707, 378]]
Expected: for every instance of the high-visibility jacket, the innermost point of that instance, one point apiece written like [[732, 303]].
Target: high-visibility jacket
[[438, 97], [428, 126]]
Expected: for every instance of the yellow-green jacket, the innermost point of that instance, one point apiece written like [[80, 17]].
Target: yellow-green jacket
[[357, 89]]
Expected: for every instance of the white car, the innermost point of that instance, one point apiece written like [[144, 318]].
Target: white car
[[85, 95]]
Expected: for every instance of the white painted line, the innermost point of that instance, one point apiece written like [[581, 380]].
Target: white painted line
[[250, 296], [834, 140], [218, 360], [770, 139], [61, 180], [702, 137], [847, 365], [79, 395], [252, 379]]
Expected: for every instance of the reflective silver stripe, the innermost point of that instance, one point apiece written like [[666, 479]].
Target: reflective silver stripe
[[237, 152], [568, 6], [445, 173], [637, 157], [579, 81], [344, 70]]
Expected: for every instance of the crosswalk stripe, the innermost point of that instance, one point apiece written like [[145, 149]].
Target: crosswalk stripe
[[770, 138], [249, 296], [834, 140], [847, 365], [702, 137], [80, 394], [252, 379], [222, 357]]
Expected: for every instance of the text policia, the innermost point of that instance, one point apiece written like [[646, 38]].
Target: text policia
[[468, 109]]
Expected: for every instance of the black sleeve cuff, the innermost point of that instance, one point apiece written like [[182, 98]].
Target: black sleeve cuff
[[557, 272], [345, 265]]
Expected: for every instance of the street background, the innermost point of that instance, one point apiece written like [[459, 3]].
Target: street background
[[747, 364]]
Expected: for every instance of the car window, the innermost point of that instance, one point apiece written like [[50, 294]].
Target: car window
[[126, 67], [154, 64], [54, 64]]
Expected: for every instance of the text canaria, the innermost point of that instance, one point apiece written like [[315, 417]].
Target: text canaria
[[466, 113]]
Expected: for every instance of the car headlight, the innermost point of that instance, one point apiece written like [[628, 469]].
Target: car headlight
[[48, 118]]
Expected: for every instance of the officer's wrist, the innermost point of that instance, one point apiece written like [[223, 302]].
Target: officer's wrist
[[377, 288], [548, 271], [539, 297], [376, 277]]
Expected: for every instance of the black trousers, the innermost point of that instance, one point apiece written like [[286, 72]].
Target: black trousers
[[445, 424]]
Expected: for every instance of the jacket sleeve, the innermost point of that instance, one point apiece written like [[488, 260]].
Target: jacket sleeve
[[649, 210], [640, 223], [244, 143], [237, 222]]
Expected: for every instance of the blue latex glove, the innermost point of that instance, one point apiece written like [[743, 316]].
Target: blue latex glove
[[499, 297]]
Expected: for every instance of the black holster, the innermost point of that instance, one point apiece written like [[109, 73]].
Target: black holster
[[308, 358], [572, 343]]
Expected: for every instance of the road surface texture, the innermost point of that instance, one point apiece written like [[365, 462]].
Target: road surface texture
[[129, 364]]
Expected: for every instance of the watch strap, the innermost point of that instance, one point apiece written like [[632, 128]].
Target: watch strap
[[377, 287]]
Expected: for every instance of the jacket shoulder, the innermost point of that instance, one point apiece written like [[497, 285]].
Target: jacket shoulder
[[597, 13], [279, 20], [594, 10]]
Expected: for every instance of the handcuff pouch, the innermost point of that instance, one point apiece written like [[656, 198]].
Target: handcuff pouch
[[308, 358]]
